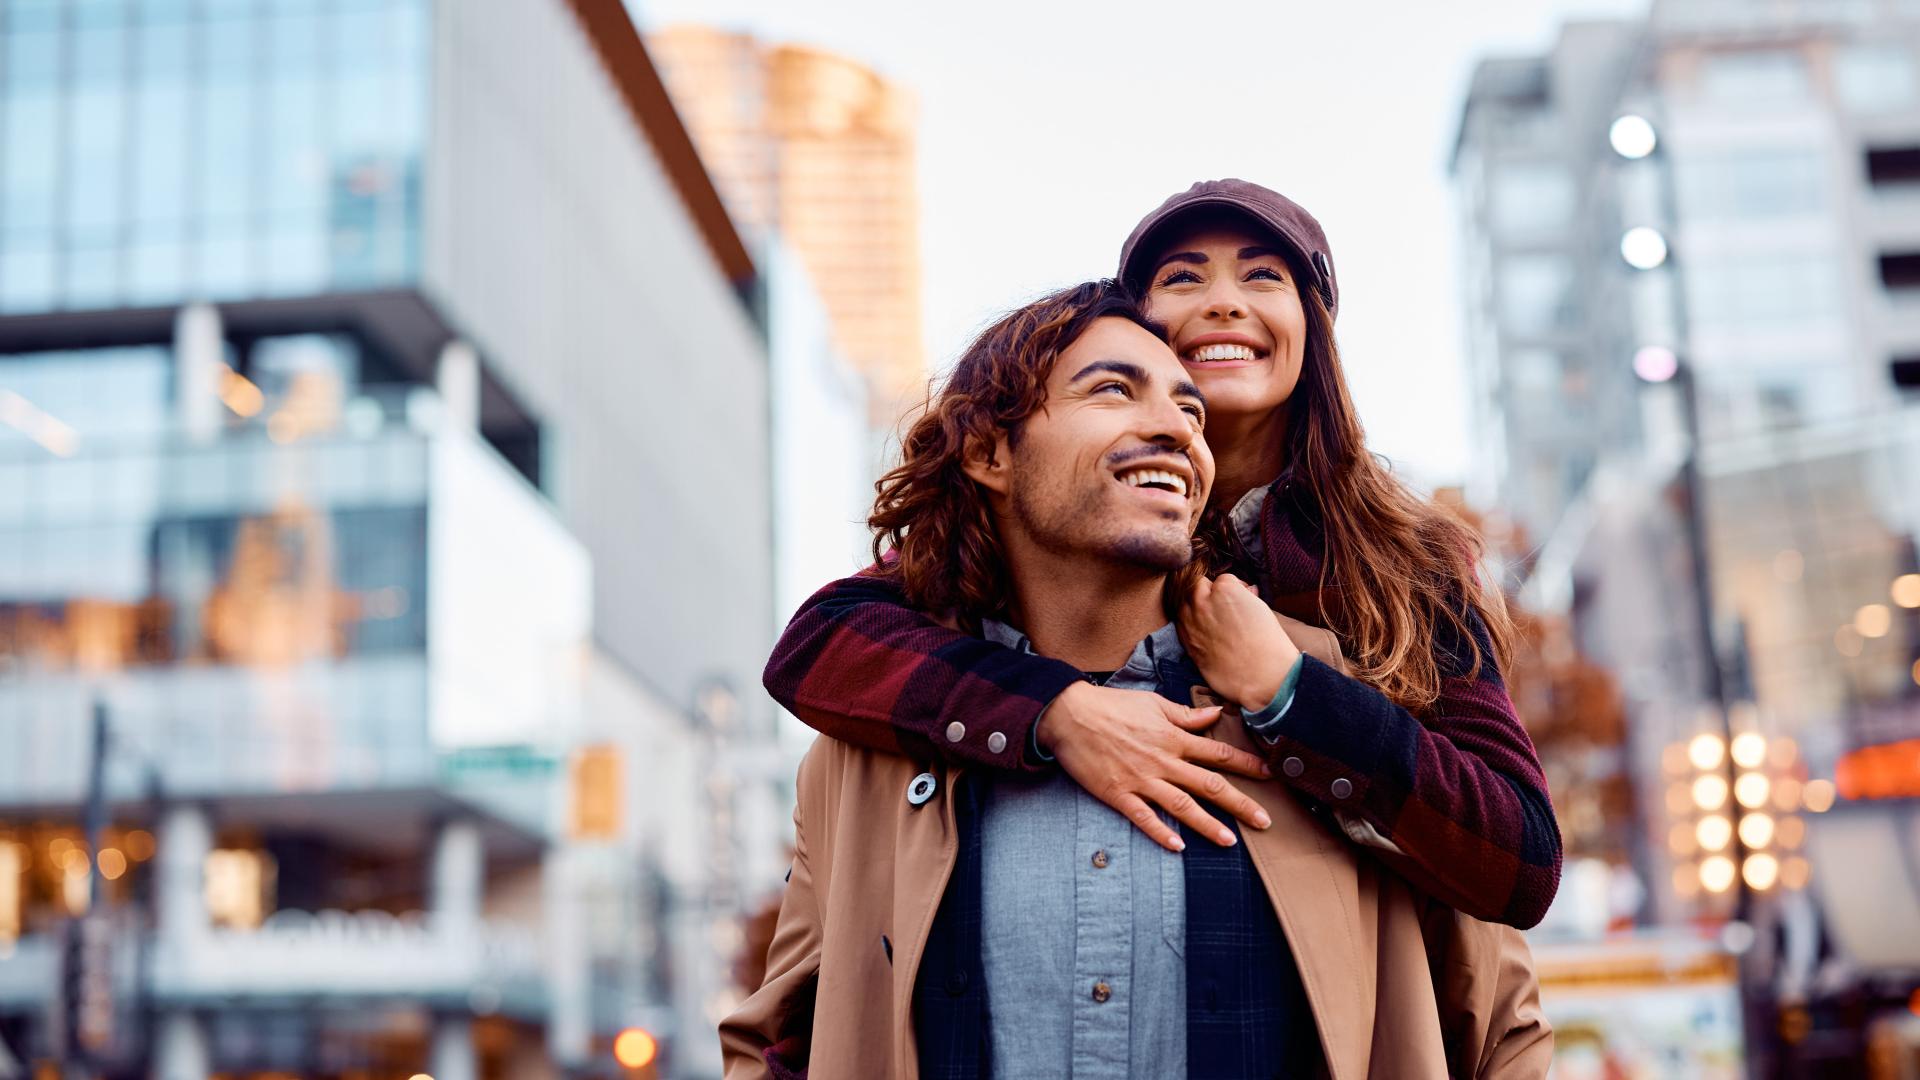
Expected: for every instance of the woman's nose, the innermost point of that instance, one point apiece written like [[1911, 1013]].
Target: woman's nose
[[1223, 302]]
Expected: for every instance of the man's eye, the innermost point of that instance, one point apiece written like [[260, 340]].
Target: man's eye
[[1180, 277], [1196, 412], [1119, 388]]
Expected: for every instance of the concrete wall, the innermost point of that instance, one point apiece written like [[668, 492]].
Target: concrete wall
[[556, 242]]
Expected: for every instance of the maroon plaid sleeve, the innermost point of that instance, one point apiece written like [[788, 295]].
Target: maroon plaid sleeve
[[856, 663], [1460, 794]]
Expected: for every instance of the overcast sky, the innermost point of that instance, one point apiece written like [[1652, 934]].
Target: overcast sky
[[1047, 129]]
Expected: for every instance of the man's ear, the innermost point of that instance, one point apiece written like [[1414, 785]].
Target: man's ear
[[990, 464]]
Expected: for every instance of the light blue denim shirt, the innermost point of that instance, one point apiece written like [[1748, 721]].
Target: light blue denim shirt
[[1083, 923]]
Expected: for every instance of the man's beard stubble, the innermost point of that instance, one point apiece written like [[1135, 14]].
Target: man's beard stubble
[[1073, 525]]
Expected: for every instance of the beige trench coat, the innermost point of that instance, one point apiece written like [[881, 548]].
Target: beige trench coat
[[1400, 986]]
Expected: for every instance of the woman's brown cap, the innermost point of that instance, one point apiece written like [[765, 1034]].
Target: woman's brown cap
[[1270, 210]]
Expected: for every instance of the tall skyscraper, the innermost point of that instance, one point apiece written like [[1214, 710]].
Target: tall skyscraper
[[820, 149], [392, 463], [1753, 229]]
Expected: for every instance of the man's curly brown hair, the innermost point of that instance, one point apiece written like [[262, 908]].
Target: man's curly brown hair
[[933, 527]]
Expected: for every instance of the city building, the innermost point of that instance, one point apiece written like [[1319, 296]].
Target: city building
[[1700, 320], [385, 455], [820, 149]]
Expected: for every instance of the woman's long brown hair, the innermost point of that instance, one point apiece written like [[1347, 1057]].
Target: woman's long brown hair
[[933, 530], [1400, 578]]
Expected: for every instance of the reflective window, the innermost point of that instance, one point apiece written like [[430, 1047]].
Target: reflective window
[[1527, 198], [1872, 77], [1535, 293], [222, 149], [1735, 294], [1754, 78], [1757, 182]]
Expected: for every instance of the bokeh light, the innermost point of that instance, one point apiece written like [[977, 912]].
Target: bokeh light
[[1749, 749], [1752, 789], [1632, 137], [1716, 873], [1819, 795], [1706, 751], [1710, 792], [1761, 871], [1714, 832]]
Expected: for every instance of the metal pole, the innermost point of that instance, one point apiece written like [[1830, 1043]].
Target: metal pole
[[1716, 679]]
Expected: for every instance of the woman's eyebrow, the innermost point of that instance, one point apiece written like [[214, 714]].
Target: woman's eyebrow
[[1258, 253], [1197, 258]]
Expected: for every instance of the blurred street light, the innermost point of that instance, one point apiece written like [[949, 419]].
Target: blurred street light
[[1749, 749], [1643, 247], [1756, 830], [1705, 751], [1873, 621], [1710, 792], [1819, 796], [1761, 871], [1655, 363], [1716, 873], [1906, 590], [635, 1048], [1632, 137]]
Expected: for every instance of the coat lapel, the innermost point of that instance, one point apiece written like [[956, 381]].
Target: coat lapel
[[1314, 883]]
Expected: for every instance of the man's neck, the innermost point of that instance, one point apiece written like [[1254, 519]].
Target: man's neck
[[1089, 613]]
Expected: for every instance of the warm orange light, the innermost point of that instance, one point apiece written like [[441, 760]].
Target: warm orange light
[[1790, 831], [1756, 830], [1906, 590], [1749, 749], [1710, 792], [1680, 840], [112, 863], [1872, 621], [139, 845], [1714, 832], [1761, 871], [1674, 760], [1794, 872], [1752, 789], [1818, 795], [1717, 873], [1686, 882], [634, 1048], [1706, 751]]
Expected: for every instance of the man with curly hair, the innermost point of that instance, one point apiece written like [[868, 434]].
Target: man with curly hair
[[943, 923]]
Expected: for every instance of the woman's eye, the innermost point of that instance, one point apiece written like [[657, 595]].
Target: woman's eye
[[1266, 273], [1180, 277]]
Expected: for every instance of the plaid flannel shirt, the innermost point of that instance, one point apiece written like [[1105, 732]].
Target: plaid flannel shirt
[[1458, 791]]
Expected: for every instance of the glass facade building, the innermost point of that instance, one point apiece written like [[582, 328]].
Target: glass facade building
[[209, 149], [310, 322]]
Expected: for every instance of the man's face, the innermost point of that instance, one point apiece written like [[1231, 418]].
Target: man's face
[[1113, 466]]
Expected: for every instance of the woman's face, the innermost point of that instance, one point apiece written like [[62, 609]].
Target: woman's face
[[1232, 312]]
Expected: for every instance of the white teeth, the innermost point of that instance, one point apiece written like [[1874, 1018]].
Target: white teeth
[[1143, 477], [1207, 353]]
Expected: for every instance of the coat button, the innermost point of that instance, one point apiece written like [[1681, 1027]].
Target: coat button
[[1341, 788], [956, 731], [957, 983], [996, 742], [922, 789], [1101, 992], [1293, 766], [1100, 859]]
